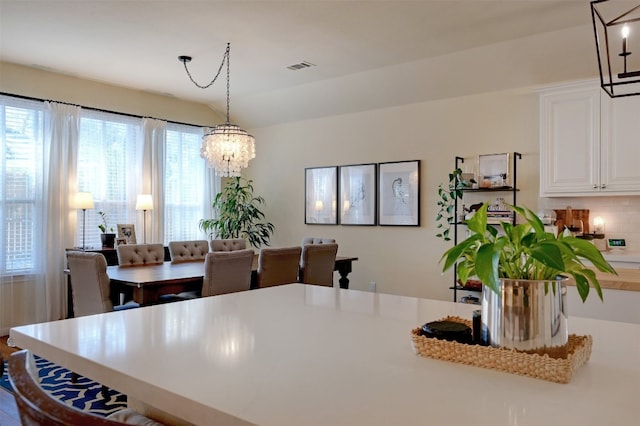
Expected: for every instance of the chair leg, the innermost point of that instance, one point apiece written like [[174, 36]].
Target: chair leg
[[105, 392], [74, 377]]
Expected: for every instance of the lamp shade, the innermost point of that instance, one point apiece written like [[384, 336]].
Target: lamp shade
[[144, 202], [82, 200]]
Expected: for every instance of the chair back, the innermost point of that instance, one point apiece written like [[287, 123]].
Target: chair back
[[36, 406], [89, 283], [228, 244], [317, 240], [188, 251], [318, 263], [140, 254], [278, 266], [227, 272]]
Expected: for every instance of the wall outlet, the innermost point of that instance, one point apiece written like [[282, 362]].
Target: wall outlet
[[372, 286]]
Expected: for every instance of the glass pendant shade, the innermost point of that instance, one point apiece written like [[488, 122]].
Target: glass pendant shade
[[228, 149]]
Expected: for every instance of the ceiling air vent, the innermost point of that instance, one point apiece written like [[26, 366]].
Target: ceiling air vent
[[301, 65]]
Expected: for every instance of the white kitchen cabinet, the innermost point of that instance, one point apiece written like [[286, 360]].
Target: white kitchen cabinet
[[589, 143]]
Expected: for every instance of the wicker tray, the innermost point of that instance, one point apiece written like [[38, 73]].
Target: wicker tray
[[559, 370]]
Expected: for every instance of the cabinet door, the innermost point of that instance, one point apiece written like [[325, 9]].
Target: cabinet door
[[569, 141], [620, 145]]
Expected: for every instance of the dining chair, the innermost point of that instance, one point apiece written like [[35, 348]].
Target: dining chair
[[317, 240], [227, 272], [140, 254], [278, 266], [188, 251], [37, 407], [90, 287], [318, 263], [228, 244]]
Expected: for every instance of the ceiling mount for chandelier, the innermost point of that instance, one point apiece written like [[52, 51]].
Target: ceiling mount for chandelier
[[226, 147]]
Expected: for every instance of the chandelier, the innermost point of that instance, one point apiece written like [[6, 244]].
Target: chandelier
[[616, 27], [226, 147]]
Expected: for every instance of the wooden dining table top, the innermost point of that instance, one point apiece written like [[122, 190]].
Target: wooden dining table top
[[175, 272]]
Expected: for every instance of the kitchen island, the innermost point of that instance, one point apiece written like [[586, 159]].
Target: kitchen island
[[309, 355]]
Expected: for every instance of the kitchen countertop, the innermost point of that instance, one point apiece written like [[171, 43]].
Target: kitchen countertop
[[627, 279]]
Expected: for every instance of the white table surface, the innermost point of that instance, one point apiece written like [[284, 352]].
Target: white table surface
[[308, 355]]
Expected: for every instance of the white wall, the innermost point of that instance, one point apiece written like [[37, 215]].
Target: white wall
[[401, 260]]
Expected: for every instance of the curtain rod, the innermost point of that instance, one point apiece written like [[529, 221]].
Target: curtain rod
[[30, 98]]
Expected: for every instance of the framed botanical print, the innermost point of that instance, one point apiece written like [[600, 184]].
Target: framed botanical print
[[321, 195], [399, 193], [357, 194]]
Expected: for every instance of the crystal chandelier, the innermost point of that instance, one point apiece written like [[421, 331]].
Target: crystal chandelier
[[226, 147]]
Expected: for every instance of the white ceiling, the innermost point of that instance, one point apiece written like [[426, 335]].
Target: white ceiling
[[136, 43]]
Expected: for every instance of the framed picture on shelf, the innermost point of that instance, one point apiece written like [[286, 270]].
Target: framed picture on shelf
[[493, 171], [357, 194], [399, 193], [127, 232], [321, 195]]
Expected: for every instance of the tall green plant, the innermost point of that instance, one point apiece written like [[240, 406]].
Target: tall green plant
[[525, 251], [239, 214]]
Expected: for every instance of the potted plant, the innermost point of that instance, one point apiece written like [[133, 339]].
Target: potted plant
[[523, 271], [108, 239], [448, 195], [238, 214]]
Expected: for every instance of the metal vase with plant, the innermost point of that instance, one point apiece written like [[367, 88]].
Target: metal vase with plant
[[446, 215], [238, 214], [523, 271], [108, 239]]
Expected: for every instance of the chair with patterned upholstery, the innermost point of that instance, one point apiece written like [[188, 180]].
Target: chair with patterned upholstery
[[317, 240], [188, 251], [227, 272], [278, 266], [318, 263], [90, 288], [37, 407], [228, 244], [140, 254]]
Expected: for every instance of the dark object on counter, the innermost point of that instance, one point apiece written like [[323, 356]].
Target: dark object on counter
[[480, 336], [448, 330]]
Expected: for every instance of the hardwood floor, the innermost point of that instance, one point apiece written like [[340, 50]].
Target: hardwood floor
[[8, 410]]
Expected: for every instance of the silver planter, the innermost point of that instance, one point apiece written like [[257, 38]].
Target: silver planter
[[527, 315]]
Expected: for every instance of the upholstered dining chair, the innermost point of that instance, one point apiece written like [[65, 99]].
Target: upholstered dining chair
[[227, 272], [278, 266], [90, 284], [140, 254], [38, 407], [318, 263], [317, 240], [188, 251], [228, 244]]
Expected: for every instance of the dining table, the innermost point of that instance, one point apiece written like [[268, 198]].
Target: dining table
[[145, 284], [311, 355]]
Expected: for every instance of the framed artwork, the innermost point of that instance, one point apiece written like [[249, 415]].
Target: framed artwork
[[321, 195], [127, 232], [399, 193], [493, 171], [357, 194], [121, 241]]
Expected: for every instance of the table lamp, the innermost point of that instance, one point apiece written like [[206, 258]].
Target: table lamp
[[144, 203], [84, 201]]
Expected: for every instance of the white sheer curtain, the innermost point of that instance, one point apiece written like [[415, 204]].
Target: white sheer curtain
[[152, 179], [62, 127]]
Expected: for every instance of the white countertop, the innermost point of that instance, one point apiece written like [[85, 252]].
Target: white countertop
[[617, 255], [308, 355]]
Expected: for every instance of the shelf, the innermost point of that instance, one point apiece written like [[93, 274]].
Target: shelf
[[501, 189], [465, 289]]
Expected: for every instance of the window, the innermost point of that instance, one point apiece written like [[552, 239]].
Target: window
[[184, 183], [21, 167], [109, 151]]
